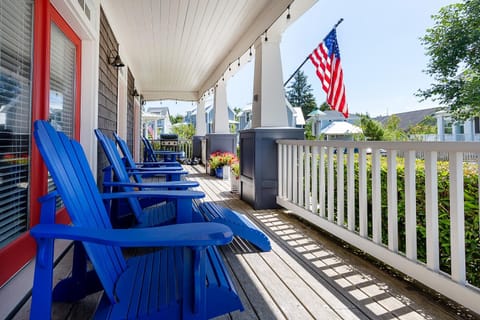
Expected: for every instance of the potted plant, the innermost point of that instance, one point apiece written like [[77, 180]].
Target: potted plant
[[220, 163]]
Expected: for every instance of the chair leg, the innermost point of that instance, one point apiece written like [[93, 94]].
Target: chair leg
[[81, 283], [42, 281]]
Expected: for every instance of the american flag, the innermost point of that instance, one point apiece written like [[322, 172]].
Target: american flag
[[326, 59]]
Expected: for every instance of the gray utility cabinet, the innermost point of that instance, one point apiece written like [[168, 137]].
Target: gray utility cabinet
[[259, 164]]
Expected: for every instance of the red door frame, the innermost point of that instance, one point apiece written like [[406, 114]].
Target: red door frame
[[15, 255]]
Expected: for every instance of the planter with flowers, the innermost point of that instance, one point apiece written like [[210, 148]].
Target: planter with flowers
[[220, 163]]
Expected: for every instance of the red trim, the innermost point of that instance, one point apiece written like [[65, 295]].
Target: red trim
[[20, 251]]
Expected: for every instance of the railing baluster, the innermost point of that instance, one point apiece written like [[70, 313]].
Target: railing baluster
[[351, 189], [410, 206], [321, 183], [295, 174], [392, 200], [457, 218], [307, 177], [376, 198], [280, 170], [431, 208], [289, 172], [330, 184], [301, 175], [340, 187], [315, 180], [362, 192], [285, 171]]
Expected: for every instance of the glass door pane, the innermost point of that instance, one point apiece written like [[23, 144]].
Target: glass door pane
[[16, 31]]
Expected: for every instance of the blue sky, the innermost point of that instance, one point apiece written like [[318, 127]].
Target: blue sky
[[382, 57]]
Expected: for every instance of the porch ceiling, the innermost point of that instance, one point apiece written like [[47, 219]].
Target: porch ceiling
[[178, 49]]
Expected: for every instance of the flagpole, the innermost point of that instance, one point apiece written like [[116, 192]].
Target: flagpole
[[308, 57]]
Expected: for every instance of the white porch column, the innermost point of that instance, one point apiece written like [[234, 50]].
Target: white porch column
[[269, 107], [220, 123], [201, 126]]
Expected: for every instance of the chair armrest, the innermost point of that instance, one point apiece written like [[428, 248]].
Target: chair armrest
[[164, 194], [157, 169], [168, 184], [179, 235]]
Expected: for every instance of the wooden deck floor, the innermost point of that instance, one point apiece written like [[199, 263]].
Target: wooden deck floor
[[307, 275]]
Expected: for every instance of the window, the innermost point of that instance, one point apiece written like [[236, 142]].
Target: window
[[15, 116]]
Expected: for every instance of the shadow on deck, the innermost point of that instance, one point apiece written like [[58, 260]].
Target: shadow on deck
[[307, 275]]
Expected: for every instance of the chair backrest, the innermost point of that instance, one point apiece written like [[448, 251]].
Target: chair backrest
[[150, 154], [119, 169], [69, 168], [127, 156]]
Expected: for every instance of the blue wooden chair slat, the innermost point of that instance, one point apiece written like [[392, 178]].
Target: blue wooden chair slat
[[239, 223], [131, 289]]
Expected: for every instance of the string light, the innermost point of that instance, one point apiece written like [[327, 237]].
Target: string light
[[238, 61], [250, 53], [288, 12], [266, 37]]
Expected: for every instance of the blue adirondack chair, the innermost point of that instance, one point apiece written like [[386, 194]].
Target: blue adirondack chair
[[147, 211], [130, 162], [110, 149], [184, 279], [151, 155]]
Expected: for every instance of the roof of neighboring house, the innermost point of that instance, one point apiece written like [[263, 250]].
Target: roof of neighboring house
[[411, 118], [162, 111], [341, 128]]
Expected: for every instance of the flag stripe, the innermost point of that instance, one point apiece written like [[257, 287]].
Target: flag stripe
[[326, 60]]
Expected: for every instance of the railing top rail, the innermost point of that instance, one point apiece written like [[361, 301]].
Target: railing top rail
[[473, 147]]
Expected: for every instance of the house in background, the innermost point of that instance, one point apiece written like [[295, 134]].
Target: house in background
[[323, 119], [191, 117], [156, 121], [447, 128], [294, 114]]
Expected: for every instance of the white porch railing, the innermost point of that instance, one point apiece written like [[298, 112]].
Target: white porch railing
[[393, 222]]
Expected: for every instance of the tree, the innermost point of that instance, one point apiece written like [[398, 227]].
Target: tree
[[372, 130], [325, 107], [184, 131], [299, 94], [427, 126], [453, 45], [176, 119], [392, 130]]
